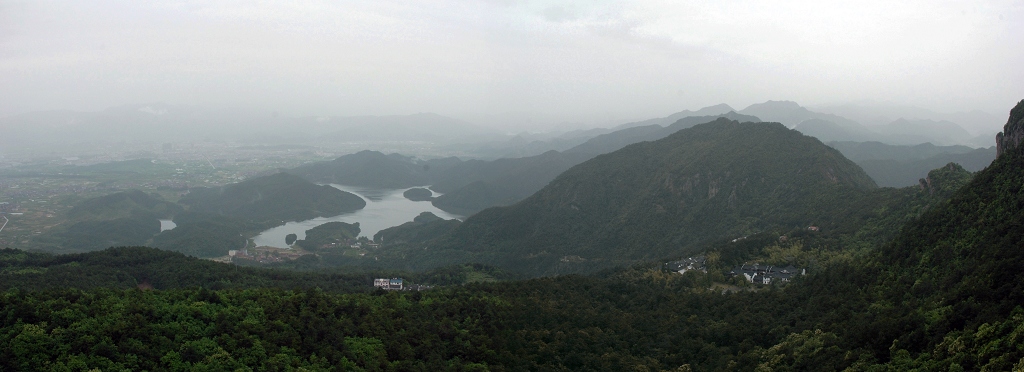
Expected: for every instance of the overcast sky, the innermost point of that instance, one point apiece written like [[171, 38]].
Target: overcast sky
[[581, 61]]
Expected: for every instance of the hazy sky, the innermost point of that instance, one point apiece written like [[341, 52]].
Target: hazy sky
[[575, 61]]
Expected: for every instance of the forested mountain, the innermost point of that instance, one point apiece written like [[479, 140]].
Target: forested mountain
[[207, 235], [123, 218], [715, 180], [948, 274], [275, 198], [476, 185], [219, 219], [329, 234], [418, 194], [141, 267], [473, 185], [91, 235], [123, 204], [425, 227]]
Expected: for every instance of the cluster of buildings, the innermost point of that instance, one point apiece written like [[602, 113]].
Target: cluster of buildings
[[767, 274], [397, 284], [754, 273], [262, 256], [367, 244], [698, 263]]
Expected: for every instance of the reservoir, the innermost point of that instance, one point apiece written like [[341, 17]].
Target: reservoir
[[384, 209], [167, 225]]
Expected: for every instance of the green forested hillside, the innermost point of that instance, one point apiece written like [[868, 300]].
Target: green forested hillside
[[275, 198], [418, 194], [206, 234], [123, 218], [86, 236], [123, 204], [220, 219], [718, 180], [425, 227], [476, 185], [336, 233], [129, 267]]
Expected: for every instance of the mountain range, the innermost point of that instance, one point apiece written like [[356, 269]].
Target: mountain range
[[473, 185], [651, 199], [901, 166]]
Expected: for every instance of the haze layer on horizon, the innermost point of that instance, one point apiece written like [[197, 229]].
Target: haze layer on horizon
[[489, 61]]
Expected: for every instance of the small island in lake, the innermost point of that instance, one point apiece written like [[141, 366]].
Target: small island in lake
[[418, 194]]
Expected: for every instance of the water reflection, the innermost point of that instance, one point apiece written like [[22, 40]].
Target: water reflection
[[167, 225], [384, 209]]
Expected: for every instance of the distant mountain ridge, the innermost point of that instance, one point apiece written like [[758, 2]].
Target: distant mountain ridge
[[830, 127], [921, 131], [606, 143], [375, 169], [791, 114], [716, 110], [473, 185], [879, 113], [901, 166]]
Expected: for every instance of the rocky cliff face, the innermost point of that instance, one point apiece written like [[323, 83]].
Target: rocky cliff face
[[1013, 131]]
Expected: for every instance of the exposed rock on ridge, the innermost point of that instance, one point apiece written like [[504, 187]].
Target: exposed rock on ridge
[[1013, 131]]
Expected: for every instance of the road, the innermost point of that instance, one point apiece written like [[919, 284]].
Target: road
[[5, 223]]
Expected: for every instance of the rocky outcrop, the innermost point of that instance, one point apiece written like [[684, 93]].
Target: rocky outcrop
[[1013, 131], [946, 180]]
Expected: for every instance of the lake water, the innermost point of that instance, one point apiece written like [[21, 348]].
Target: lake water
[[384, 209], [167, 225]]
